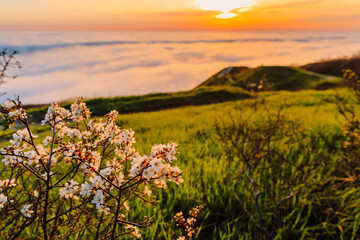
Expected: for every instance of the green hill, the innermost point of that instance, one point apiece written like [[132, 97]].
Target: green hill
[[271, 78], [232, 83]]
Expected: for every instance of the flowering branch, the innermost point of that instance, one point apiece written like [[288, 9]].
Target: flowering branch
[[89, 173]]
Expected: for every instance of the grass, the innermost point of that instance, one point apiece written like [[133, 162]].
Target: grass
[[154, 102], [207, 170]]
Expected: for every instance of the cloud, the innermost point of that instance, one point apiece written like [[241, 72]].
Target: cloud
[[230, 58], [334, 18], [28, 49], [67, 65], [289, 4]]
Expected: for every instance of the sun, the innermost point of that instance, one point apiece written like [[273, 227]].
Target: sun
[[224, 5], [226, 15]]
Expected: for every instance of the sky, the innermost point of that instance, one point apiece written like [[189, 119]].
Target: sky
[[114, 15]]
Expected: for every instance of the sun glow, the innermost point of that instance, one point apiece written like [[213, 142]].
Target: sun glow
[[224, 5], [226, 15]]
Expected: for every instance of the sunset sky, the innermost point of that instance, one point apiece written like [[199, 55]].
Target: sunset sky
[[180, 15]]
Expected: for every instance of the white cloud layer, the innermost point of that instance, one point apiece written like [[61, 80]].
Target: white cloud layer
[[61, 65]]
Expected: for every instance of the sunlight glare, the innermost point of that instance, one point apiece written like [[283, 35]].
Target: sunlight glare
[[224, 5], [226, 15]]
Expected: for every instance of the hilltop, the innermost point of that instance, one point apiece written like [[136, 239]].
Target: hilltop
[[270, 78]]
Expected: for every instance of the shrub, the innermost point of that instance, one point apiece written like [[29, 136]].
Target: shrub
[[268, 176]]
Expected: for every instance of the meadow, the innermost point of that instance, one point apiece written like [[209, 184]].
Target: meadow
[[208, 170], [324, 200]]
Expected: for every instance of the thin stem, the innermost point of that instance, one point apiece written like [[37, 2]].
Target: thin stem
[[118, 205]]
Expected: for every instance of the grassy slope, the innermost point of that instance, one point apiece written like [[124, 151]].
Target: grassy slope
[[158, 101], [271, 77], [206, 171]]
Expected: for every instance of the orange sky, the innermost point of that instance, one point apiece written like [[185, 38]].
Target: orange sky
[[180, 15]]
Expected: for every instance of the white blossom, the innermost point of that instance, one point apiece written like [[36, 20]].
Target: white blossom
[[26, 211], [47, 140], [98, 199], [7, 183], [69, 189], [8, 104], [85, 190], [3, 200], [79, 111], [103, 209], [134, 231], [147, 191], [55, 113]]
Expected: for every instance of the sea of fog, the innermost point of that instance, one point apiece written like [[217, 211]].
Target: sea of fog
[[63, 65]]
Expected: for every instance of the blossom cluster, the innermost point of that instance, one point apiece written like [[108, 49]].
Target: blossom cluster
[[13, 109], [92, 161], [188, 224], [158, 166]]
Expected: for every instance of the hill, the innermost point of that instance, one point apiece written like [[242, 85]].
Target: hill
[[335, 67], [270, 78], [232, 83]]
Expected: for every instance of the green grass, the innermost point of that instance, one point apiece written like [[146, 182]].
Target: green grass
[[207, 171], [154, 102]]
